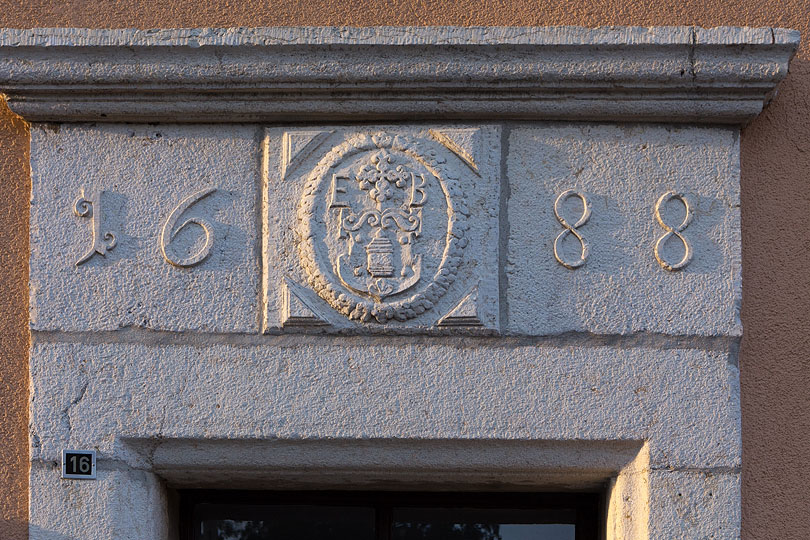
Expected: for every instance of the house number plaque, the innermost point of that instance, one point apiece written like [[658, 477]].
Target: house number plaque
[[79, 464]]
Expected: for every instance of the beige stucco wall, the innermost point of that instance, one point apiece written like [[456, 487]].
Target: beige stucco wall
[[775, 203]]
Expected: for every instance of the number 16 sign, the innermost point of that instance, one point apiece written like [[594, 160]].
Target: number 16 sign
[[79, 464]]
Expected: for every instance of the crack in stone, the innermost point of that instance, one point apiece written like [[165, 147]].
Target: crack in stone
[[74, 402], [692, 46]]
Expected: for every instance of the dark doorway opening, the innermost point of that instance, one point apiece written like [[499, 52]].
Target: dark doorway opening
[[381, 515]]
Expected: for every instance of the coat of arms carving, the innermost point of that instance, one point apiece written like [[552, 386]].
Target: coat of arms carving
[[382, 224]]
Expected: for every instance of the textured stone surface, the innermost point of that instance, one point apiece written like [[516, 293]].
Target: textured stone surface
[[359, 225], [774, 197], [429, 464], [683, 401], [669, 393], [145, 173], [694, 505], [122, 504], [574, 415], [316, 74], [621, 289], [445, 187]]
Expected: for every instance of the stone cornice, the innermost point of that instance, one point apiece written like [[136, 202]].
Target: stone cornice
[[672, 74]]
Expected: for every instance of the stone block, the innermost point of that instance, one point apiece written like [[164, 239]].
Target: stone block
[[623, 171], [694, 505], [685, 402], [168, 240], [121, 504], [381, 228]]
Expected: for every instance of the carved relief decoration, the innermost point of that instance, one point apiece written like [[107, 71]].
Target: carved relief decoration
[[571, 229], [464, 142], [382, 224], [297, 145], [89, 205], [465, 313], [673, 231], [296, 311], [169, 231]]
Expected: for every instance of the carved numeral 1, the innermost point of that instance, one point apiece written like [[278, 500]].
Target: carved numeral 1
[[90, 206]]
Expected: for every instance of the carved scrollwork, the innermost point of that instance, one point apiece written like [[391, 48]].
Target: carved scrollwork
[[169, 231], [571, 229], [372, 265], [90, 206], [673, 231]]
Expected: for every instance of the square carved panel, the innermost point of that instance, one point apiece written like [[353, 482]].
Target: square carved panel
[[381, 228]]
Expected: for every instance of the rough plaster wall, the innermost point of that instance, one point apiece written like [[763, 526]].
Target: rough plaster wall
[[15, 187], [775, 200]]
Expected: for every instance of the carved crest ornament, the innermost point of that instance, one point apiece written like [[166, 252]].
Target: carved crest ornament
[[382, 224]]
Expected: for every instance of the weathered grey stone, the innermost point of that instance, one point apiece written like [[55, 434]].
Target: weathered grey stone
[[441, 464], [262, 74], [201, 299], [145, 172], [437, 218], [574, 416], [622, 289], [122, 504], [694, 505], [685, 402]]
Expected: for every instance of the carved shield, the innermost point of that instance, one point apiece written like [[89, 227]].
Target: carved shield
[[382, 224]]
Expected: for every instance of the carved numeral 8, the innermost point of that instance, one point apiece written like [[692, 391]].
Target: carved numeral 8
[[673, 231], [571, 229]]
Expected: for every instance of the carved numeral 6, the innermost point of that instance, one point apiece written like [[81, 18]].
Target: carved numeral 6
[[169, 231]]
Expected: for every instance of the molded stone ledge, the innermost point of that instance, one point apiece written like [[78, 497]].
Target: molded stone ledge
[[675, 74], [440, 464]]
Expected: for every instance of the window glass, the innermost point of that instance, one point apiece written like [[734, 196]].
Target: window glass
[[482, 524], [240, 515], [285, 522]]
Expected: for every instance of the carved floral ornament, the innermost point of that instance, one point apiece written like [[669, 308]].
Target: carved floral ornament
[[382, 224]]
